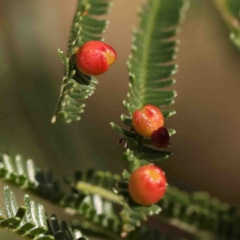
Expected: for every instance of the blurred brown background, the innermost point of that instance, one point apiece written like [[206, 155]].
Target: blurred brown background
[[206, 147]]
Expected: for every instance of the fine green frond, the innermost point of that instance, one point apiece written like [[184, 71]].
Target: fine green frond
[[23, 173], [202, 212], [96, 217], [94, 210], [97, 207], [102, 183], [76, 86], [198, 212], [151, 67], [90, 200], [229, 10], [30, 222], [154, 47], [18, 171]]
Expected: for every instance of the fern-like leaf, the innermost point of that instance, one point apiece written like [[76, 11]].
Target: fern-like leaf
[[151, 67], [229, 10], [25, 174], [154, 49], [96, 217], [89, 195], [202, 212], [196, 213], [92, 211], [28, 220], [89, 198], [76, 86], [97, 207], [18, 171]]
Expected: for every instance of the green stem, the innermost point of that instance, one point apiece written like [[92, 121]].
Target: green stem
[[106, 194], [54, 118]]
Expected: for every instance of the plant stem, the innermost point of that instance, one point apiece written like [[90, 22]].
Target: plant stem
[[91, 189], [54, 118]]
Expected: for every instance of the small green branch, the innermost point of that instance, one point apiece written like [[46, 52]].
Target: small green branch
[[54, 118], [104, 193], [61, 97], [85, 223]]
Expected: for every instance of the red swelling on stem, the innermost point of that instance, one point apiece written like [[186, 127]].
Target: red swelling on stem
[[160, 137], [95, 57], [147, 185], [147, 120]]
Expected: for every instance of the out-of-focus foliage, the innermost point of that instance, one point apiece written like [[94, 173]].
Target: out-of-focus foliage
[[230, 10]]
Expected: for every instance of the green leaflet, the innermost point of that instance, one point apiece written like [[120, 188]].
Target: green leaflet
[[203, 212], [76, 87], [18, 171], [30, 220]]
